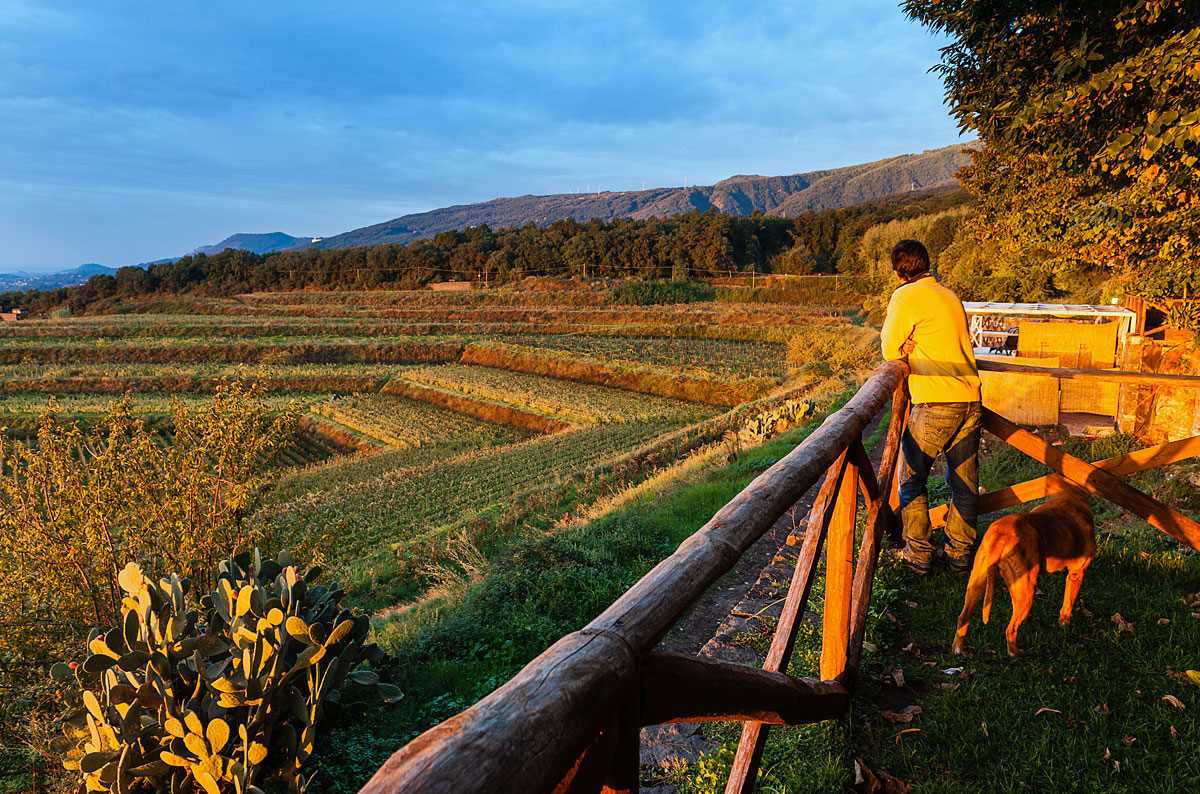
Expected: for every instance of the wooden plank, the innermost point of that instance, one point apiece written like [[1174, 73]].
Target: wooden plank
[[528, 734], [1095, 480], [839, 577], [590, 770], [683, 688], [1119, 376], [878, 518], [754, 734], [625, 769], [1119, 466]]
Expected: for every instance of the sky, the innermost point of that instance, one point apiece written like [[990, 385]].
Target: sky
[[135, 131]]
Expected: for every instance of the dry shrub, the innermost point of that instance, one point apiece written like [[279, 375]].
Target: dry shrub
[[824, 352], [76, 507]]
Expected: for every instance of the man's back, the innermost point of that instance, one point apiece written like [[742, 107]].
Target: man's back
[[943, 362]]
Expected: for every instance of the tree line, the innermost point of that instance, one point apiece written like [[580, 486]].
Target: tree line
[[697, 245]]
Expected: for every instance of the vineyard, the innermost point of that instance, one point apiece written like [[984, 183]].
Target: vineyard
[[426, 414]]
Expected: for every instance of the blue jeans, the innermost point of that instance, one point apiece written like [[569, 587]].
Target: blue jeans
[[951, 428]]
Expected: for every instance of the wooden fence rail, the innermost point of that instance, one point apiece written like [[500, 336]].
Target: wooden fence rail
[[570, 720]]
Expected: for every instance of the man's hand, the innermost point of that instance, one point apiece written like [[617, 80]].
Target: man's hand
[[909, 346]]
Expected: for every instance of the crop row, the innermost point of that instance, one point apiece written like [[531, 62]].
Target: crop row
[[430, 298], [714, 359], [582, 403], [617, 374], [191, 326], [266, 352], [375, 519], [402, 422], [718, 313], [153, 403]]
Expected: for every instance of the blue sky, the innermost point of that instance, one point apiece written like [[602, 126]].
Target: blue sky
[[132, 131]]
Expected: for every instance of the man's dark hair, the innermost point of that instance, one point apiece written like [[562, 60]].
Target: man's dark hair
[[909, 259]]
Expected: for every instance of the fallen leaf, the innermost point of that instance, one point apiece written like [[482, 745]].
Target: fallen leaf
[[1163, 621], [910, 604], [899, 623], [1087, 613], [1174, 733], [902, 716], [1196, 615], [953, 670], [893, 785], [1117, 766], [1128, 740], [1122, 623], [1103, 709], [869, 647], [948, 686], [1193, 676], [865, 781], [1174, 701], [907, 648], [1043, 710], [898, 677], [1107, 755]]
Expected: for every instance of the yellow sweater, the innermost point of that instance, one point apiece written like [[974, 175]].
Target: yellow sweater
[[943, 363]]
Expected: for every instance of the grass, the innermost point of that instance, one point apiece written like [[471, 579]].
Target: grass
[[1083, 712], [450, 653]]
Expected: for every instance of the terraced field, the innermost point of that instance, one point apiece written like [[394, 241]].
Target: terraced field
[[387, 521], [487, 410], [577, 403], [402, 422]]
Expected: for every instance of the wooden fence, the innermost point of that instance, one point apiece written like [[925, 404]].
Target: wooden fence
[[570, 721]]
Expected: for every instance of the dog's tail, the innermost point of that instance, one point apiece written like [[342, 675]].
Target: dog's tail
[[998, 541]]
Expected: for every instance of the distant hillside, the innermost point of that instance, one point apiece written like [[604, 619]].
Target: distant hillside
[[61, 278], [787, 196], [257, 243]]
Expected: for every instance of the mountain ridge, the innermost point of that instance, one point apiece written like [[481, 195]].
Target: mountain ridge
[[788, 195]]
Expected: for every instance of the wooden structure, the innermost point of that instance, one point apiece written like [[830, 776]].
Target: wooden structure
[[570, 720], [1053, 336]]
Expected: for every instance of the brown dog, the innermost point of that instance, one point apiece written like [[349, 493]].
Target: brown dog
[[1058, 534]]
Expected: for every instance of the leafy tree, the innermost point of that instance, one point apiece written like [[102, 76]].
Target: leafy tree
[[1090, 119]]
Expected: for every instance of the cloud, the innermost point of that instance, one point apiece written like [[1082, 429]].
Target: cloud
[[315, 117]]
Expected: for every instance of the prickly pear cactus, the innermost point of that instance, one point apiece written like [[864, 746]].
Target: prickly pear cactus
[[170, 702]]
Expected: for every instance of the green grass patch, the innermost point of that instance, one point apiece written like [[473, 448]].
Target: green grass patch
[[451, 652]]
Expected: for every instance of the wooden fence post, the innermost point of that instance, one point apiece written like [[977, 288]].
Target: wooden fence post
[[878, 519], [754, 734], [839, 577]]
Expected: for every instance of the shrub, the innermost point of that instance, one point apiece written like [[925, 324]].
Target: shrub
[[646, 293], [214, 705], [822, 352], [76, 507]]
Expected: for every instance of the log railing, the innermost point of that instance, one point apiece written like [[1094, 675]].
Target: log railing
[[570, 720]]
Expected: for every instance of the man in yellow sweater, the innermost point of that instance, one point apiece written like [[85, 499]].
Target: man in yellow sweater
[[927, 324]]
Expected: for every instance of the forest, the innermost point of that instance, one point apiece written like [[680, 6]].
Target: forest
[[696, 245]]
